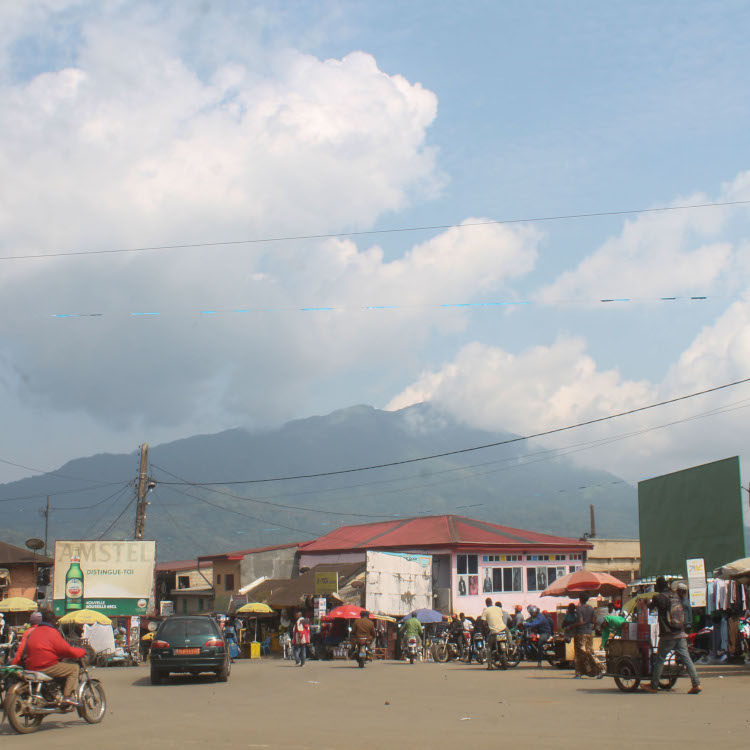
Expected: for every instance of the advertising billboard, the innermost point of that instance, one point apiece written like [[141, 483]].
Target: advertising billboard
[[115, 578], [690, 514]]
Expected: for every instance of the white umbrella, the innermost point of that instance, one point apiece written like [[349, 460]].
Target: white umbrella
[[739, 571]]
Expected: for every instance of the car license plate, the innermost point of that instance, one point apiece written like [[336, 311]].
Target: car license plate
[[187, 651]]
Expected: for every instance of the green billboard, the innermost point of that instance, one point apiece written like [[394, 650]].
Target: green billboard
[[692, 513]]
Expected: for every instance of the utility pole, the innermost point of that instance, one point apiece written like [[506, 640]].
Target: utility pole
[[46, 527], [592, 535], [140, 508]]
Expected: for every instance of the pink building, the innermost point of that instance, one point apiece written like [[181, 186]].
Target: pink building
[[471, 559]]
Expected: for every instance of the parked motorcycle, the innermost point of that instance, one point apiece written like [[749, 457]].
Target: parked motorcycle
[[476, 648], [443, 648], [30, 696]]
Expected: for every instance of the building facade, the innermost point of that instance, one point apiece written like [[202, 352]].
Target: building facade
[[24, 574], [471, 559]]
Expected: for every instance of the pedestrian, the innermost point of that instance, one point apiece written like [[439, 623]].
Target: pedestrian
[[672, 636], [682, 592], [583, 642], [300, 639], [612, 626]]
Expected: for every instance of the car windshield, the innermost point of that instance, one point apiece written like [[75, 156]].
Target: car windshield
[[186, 628]]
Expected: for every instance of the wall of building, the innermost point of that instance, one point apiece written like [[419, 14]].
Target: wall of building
[[310, 561], [277, 563], [22, 581], [193, 604], [469, 595], [223, 595], [196, 580], [616, 556]]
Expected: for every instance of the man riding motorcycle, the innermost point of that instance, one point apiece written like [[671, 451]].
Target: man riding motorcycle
[[541, 625], [363, 628], [412, 627], [41, 649], [495, 619]]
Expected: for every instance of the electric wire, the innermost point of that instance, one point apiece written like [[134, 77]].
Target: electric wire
[[199, 546], [373, 232], [95, 505], [125, 509], [59, 492], [460, 451], [46, 473], [113, 503]]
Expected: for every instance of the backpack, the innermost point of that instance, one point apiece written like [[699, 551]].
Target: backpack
[[675, 613]]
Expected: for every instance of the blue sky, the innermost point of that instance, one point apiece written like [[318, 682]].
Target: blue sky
[[131, 124]]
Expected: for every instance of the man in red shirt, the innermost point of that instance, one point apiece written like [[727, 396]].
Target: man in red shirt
[[41, 649]]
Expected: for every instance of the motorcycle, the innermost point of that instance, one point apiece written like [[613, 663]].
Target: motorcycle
[[362, 651], [476, 648], [498, 654], [30, 696], [412, 648], [443, 648]]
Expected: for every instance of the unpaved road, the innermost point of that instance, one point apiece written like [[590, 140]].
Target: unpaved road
[[273, 704]]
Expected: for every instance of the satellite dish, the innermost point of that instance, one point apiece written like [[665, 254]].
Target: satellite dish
[[34, 543]]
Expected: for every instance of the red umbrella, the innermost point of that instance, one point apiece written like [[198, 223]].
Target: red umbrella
[[585, 582], [346, 612]]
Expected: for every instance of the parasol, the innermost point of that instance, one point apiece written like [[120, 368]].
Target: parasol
[[18, 604], [85, 617], [739, 571], [346, 612], [426, 616], [629, 605], [585, 581], [255, 608]]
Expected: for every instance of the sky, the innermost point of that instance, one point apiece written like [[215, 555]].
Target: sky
[[132, 125]]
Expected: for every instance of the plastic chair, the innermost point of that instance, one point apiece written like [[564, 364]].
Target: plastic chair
[[265, 646]]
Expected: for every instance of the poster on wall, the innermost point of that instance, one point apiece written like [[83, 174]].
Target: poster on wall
[[463, 585], [473, 585], [116, 578], [696, 574]]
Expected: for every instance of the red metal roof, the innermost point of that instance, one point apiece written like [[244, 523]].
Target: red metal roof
[[241, 553], [435, 531]]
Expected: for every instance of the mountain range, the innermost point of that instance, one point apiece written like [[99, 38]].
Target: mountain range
[[517, 484]]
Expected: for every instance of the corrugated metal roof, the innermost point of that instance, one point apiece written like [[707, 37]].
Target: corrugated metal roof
[[239, 554], [435, 531], [12, 555]]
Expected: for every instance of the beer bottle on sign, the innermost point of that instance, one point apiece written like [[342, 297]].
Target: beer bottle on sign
[[74, 583]]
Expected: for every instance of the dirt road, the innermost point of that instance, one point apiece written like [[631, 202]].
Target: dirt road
[[273, 704]]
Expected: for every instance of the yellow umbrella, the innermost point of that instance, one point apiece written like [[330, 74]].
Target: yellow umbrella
[[256, 608], [18, 604], [386, 618], [629, 605], [85, 617]]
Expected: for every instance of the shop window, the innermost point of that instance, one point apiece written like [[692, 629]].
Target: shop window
[[573, 568], [183, 582], [218, 578], [467, 569], [537, 579], [229, 582], [498, 580], [500, 558]]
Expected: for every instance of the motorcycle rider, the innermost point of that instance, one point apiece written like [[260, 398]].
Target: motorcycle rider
[[412, 627], [495, 619], [363, 628], [539, 624], [457, 632], [518, 617], [41, 650]]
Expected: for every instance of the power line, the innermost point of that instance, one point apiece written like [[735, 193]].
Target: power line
[[61, 492], [45, 473], [95, 505], [125, 509], [395, 230], [474, 448]]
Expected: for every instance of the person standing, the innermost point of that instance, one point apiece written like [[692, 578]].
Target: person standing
[[300, 639], [583, 642], [672, 636]]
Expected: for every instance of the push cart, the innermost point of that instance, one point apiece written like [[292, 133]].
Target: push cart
[[631, 662]]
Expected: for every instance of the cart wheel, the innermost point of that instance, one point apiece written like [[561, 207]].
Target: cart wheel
[[627, 676], [672, 669]]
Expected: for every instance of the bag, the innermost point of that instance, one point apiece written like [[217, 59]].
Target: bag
[[675, 613]]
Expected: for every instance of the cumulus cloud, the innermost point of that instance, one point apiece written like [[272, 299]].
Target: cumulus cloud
[[660, 254], [132, 144]]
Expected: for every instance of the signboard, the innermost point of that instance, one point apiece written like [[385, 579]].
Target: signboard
[[326, 582], [166, 609], [116, 578], [692, 513], [398, 583], [696, 575]]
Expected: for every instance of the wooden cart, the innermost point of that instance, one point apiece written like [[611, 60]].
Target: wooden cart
[[631, 662]]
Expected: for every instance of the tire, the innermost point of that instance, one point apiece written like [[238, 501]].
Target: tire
[[503, 659], [513, 658], [93, 702], [481, 656], [440, 652], [673, 668], [14, 704], [627, 676], [411, 658], [223, 674], [360, 662], [156, 676]]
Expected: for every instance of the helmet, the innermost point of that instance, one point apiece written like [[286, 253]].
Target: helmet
[[532, 610], [519, 608]]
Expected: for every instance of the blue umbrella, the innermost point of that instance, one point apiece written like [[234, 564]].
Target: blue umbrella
[[426, 616]]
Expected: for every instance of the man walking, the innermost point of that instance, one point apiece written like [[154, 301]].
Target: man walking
[[300, 639], [583, 642], [672, 636]]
